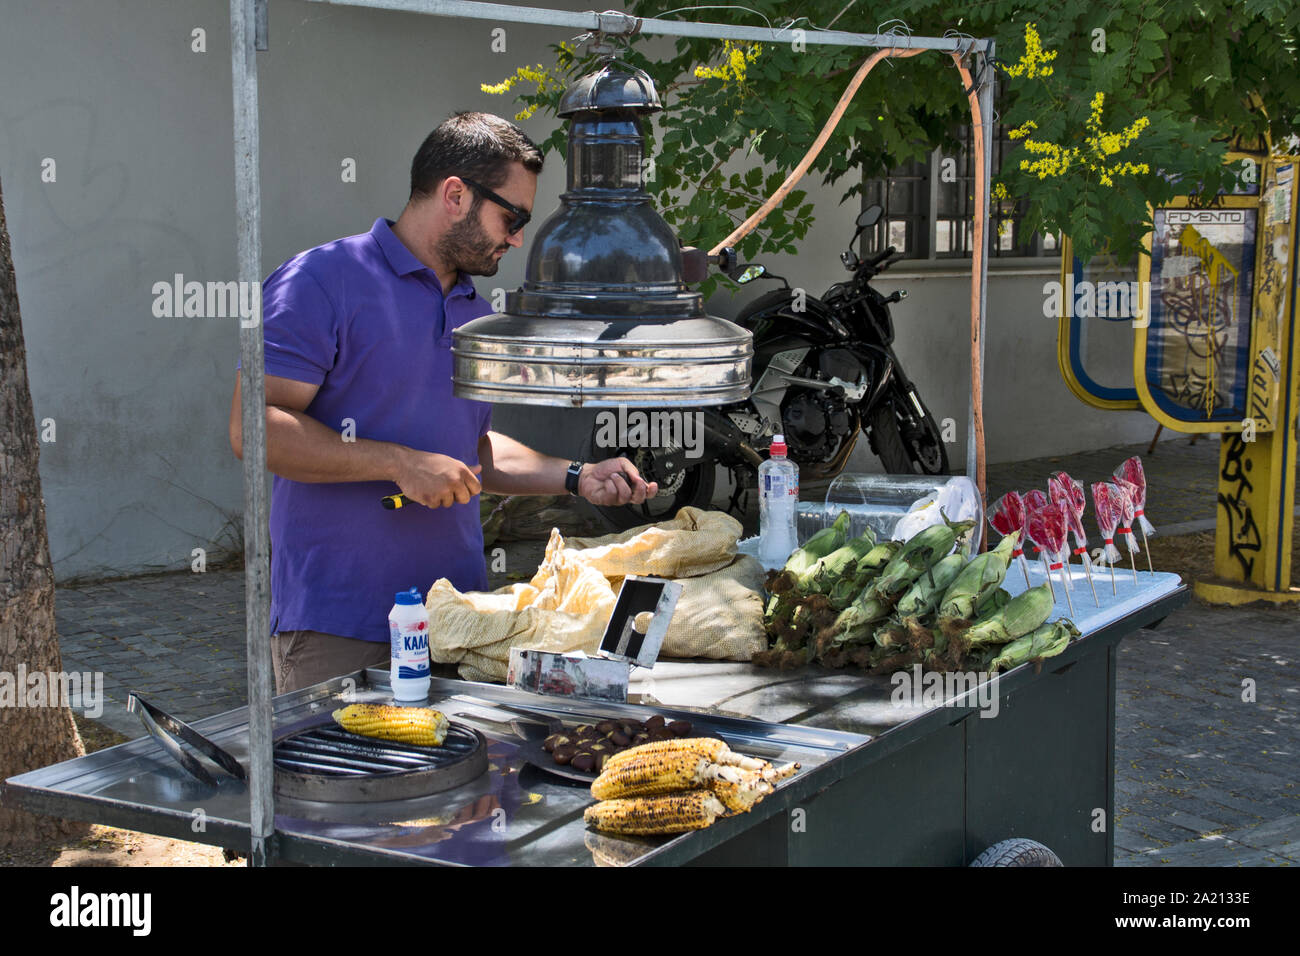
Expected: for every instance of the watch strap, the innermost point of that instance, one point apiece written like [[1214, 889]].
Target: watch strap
[[571, 477]]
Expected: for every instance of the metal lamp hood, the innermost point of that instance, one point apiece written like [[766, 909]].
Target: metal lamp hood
[[604, 317]]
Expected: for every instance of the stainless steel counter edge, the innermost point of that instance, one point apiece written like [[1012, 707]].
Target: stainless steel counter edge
[[855, 752]]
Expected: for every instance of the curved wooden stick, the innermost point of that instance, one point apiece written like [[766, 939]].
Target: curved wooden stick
[[977, 259], [748, 226]]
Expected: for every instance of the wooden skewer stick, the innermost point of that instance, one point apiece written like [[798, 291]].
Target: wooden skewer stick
[[1068, 600], [1111, 565], [1133, 557], [1147, 548], [1087, 569], [1024, 566], [1048, 571]]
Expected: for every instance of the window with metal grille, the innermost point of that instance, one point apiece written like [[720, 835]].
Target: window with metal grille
[[928, 207]]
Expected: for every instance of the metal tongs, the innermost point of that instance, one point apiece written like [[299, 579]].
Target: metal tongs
[[161, 725]]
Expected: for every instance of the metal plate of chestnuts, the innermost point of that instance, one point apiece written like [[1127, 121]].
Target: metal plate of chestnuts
[[579, 752]]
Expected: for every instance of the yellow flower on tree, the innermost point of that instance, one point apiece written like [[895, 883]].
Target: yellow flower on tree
[[735, 58], [543, 79], [1035, 59], [1099, 146]]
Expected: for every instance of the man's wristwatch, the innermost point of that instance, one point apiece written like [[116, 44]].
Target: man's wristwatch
[[571, 477]]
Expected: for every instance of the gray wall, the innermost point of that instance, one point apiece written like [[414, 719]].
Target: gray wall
[[139, 126]]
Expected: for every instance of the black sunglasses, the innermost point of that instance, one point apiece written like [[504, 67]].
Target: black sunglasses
[[520, 219]]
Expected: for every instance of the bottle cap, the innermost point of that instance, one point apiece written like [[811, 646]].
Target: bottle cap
[[408, 597], [778, 446]]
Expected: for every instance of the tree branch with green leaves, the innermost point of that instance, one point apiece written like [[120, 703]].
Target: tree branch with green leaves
[[1177, 82]]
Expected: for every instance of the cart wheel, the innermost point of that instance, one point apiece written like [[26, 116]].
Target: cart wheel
[[1019, 852]]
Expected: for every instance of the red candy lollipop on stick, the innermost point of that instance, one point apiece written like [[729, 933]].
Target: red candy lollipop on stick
[[1068, 495], [1125, 529], [1109, 511], [1036, 501], [1047, 526], [1006, 516], [1131, 472]]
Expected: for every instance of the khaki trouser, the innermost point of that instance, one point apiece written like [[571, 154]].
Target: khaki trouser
[[303, 658]]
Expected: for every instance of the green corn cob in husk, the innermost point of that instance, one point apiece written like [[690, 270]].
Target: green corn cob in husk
[[874, 561], [823, 575], [922, 551], [818, 546], [865, 612], [902, 660], [891, 634], [783, 585], [924, 595], [993, 603], [1046, 641], [979, 579], [857, 622], [782, 657], [847, 589], [844, 592], [1022, 615]]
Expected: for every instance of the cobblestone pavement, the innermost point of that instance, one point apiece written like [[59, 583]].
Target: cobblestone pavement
[[1202, 776]]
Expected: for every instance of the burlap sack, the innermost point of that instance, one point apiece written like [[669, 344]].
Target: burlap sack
[[719, 615], [693, 543], [567, 604], [564, 608]]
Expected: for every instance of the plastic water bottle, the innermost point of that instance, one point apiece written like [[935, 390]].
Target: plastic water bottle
[[778, 496], [408, 634]]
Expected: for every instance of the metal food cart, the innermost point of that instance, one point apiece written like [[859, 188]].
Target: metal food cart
[[883, 781]]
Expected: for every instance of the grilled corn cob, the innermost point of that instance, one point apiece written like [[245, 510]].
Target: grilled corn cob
[[409, 725], [711, 748], [671, 813], [653, 774]]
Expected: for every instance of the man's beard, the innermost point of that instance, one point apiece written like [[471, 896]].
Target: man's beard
[[469, 248]]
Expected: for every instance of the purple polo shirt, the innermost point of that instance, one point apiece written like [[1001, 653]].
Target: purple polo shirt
[[363, 319]]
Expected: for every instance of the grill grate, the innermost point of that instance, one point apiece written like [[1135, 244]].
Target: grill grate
[[327, 763], [333, 752]]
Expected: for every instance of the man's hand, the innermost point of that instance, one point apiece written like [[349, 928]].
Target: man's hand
[[437, 481], [614, 481]]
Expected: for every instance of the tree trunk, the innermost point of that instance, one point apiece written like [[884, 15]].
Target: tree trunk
[[35, 729]]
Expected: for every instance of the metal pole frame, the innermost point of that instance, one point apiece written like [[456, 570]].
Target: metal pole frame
[[244, 36], [248, 32]]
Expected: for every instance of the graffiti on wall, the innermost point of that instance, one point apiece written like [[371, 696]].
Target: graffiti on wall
[[1243, 539], [1202, 272]]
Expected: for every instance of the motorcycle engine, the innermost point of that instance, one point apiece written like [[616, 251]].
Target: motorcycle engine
[[815, 423]]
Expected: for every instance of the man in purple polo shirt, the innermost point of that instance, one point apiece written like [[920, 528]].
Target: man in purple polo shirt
[[360, 405]]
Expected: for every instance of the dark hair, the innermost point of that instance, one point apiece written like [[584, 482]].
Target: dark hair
[[479, 146]]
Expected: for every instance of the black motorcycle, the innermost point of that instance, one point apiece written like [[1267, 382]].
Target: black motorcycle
[[824, 372]]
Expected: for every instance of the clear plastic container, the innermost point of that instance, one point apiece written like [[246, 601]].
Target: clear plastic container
[[895, 506]]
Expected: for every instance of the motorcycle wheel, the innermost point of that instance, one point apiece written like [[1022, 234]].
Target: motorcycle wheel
[[901, 457], [691, 487]]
